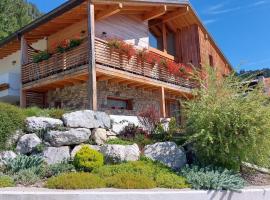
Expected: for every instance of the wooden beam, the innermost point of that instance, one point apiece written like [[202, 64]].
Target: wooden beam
[[162, 103], [109, 12], [170, 16], [164, 37], [92, 83], [104, 78], [155, 13]]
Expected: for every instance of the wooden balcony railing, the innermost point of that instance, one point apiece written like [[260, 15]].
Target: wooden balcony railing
[[79, 56]]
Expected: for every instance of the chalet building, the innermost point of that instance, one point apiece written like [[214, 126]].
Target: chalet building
[[93, 72]]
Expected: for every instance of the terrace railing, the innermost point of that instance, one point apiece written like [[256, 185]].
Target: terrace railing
[[78, 56]]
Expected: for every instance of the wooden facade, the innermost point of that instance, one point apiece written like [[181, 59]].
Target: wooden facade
[[174, 24]]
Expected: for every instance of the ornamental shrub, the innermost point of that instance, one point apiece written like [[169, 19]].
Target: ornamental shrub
[[229, 122], [22, 162], [59, 168], [38, 112], [27, 177], [170, 180], [209, 178], [160, 174], [130, 181], [87, 159], [11, 119], [6, 181], [73, 180]]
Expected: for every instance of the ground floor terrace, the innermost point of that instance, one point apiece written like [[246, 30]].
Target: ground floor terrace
[[123, 86]]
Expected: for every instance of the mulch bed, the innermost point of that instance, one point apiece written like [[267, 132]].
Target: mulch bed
[[254, 177]]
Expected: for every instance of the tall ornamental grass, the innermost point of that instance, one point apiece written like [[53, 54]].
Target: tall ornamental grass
[[229, 122]]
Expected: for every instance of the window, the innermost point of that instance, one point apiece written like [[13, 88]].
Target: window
[[155, 41], [171, 43], [211, 61], [118, 103]]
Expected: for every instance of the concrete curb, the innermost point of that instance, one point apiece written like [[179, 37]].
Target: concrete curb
[[260, 193]]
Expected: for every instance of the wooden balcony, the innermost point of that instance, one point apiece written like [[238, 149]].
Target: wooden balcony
[[78, 56]]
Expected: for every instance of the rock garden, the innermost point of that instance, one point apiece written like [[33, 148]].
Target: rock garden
[[224, 146]]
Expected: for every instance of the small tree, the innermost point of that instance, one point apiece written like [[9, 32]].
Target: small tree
[[229, 123], [149, 118]]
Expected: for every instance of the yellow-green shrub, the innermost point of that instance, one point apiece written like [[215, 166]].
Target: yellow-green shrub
[[80, 180], [6, 181], [169, 180], [130, 181], [87, 159], [11, 119]]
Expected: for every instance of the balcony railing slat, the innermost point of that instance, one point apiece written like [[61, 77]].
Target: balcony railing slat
[[78, 56]]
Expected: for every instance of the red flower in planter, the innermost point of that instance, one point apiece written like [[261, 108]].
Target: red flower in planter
[[127, 49], [152, 58]]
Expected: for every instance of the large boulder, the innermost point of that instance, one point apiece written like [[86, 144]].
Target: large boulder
[[100, 135], [53, 155], [69, 137], [34, 124], [78, 148], [119, 122], [28, 143], [5, 156], [120, 153], [14, 138], [87, 119], [167, 153]]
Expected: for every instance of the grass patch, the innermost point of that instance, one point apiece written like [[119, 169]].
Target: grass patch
[[119, 141]]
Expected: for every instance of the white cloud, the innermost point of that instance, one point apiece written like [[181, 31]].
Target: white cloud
[[223, 8], [209, 21]]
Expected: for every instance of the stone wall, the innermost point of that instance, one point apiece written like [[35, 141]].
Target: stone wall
[[140, 98], [75, 97], [70, 97]]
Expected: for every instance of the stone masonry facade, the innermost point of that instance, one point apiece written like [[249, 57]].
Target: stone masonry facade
[[75, 97]]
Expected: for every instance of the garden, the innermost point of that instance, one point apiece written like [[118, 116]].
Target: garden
[[223, 145]]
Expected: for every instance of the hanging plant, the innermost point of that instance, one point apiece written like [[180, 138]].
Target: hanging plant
[[41, 56], [67, 45]]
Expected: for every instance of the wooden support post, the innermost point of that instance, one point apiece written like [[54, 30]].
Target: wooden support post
[[92, 81], [24, 60], [164, 37], [162, 103]]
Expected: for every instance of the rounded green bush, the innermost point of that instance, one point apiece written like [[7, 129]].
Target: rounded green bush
[[73, 180], [169, 180], [6, 181], [130, 181], [11, 119], [87, 159]]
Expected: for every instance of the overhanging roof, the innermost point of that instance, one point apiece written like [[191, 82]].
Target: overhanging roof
[[13, 43]]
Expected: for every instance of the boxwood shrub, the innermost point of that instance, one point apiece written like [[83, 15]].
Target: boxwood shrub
[[87, 159]]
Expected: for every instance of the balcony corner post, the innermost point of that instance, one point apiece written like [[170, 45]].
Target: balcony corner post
[[162, 103], [92, 85], [24, 60]]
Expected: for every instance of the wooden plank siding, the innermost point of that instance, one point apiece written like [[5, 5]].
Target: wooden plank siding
[[188, 46]]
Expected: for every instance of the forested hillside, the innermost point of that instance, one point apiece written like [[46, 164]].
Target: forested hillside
[[253, 73], [14, 14]]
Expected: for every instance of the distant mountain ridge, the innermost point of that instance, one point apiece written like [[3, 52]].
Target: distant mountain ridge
[[254, 73]]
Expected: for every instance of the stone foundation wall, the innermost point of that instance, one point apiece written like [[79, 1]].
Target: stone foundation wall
[[140, 99], [70, 97], [75, 97]]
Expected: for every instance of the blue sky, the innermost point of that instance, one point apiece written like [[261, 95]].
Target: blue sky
[[240, 28]]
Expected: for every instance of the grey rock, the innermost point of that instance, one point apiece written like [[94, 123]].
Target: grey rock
[[27, 143], [13, 138], [167, 153], [120, 153], [100, 135], [34, 124], [87, 119], [78, 148], [53, 155], [119, 122], [5, 156], [69, 137]]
